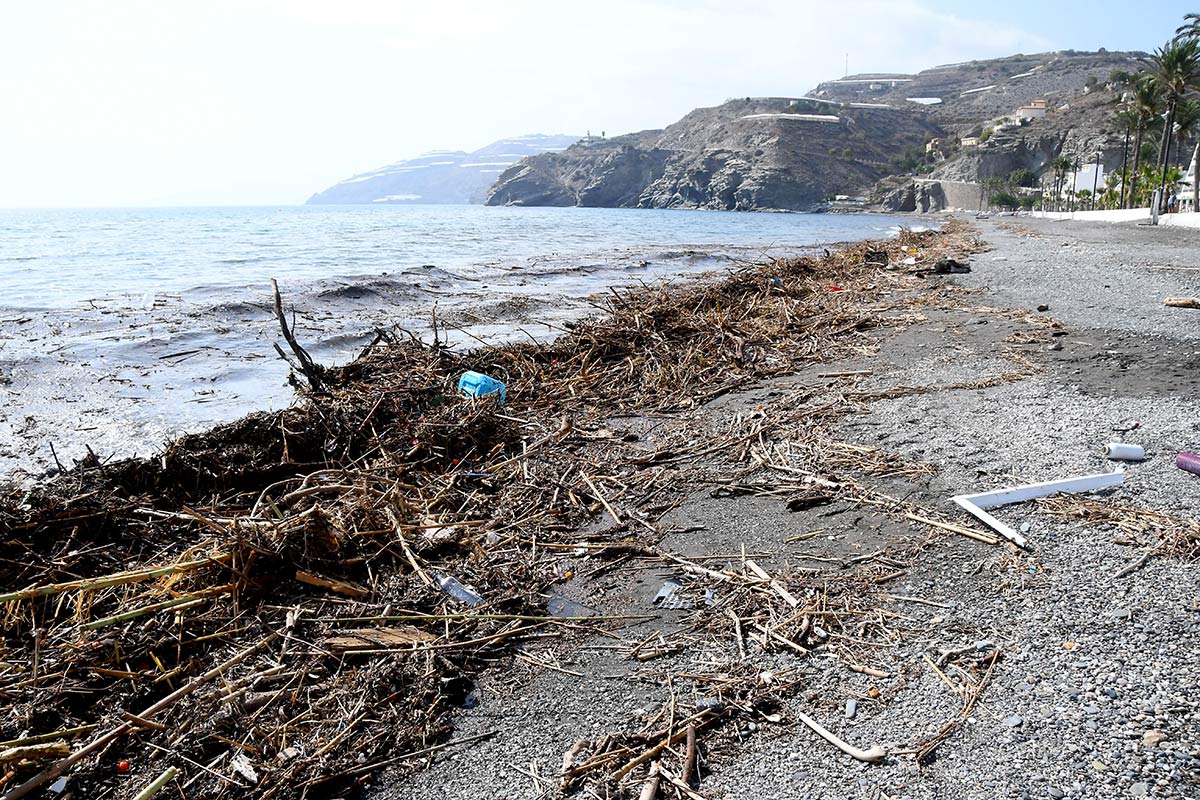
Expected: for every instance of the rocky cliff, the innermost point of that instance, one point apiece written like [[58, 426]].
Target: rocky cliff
[[757, 153], [844, 138], [445, 176]]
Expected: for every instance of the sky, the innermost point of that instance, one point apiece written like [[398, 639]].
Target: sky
[[248, 102]]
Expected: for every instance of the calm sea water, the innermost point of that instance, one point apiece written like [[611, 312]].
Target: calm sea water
[[121, 329], [65, 257]]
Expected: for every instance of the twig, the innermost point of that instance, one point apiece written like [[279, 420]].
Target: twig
[[312, 371], [876, 753]]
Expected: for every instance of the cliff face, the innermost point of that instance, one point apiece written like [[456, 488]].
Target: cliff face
[[447, 176], [843, 138], [760, 153]]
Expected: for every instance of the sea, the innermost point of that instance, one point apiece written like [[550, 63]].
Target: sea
[[121, 329]]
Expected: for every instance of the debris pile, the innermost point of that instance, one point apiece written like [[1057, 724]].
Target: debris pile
[[282, 606]]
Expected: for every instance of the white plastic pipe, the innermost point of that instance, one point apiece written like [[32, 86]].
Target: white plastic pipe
[[1119, 451]]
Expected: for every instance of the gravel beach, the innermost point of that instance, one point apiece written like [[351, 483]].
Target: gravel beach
[[1093, 691]]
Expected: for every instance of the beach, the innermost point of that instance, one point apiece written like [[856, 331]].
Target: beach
[[720, 505], [1093, 696]]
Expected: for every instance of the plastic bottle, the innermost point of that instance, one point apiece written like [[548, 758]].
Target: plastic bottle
[[460, 592], [476, 384]]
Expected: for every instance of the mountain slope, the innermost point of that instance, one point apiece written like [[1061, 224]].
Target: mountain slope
[[448, 176], [843, 138], [756, 153]]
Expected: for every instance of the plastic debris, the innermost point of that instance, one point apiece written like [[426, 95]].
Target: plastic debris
[[1119, 451], [948, 266], [240, 763], [668, 595], [459, 591], [476, 384], [975, 504], [1188, 462]]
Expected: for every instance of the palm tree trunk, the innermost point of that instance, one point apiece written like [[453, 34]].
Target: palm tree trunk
[[1137, 160], [1163, 154]]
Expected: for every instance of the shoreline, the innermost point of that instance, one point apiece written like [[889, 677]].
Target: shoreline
[[126, 381], [795, 425]]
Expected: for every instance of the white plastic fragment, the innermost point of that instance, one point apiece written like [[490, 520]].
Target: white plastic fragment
[[974, 504], [1119, 451]]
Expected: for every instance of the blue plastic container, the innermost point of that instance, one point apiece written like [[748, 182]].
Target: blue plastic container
[[476, 384]]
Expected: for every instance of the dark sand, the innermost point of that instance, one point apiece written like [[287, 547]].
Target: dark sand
[[1091, 661]]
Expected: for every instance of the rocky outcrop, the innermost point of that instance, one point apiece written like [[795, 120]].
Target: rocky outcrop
[[917, 197], [753, 154]]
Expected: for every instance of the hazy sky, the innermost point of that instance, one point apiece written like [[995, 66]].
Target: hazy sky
[[162, 102]]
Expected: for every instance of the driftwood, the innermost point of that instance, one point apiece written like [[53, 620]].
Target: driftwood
[[872, 755], [1182, 302], [314, 373]]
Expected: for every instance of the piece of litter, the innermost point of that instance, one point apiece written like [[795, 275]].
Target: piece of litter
[[476, 384], [1120, 451], [975, 504], [240, 763], [668, 596], [1188, 462], [459, 591]]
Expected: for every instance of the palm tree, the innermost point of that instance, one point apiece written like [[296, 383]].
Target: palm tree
[[1127, 119], [1062, 165], [1176, 69], [1190, 29], [1145, 105]]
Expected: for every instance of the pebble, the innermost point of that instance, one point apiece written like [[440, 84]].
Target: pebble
[[1057, 793], [851, 708], [1013, 721], [1140, 789]]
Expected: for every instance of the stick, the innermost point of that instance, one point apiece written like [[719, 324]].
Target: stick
[[1182, 302], [616, 517], [53, 771], [158, 783], [874, 673], [876, 753], [650, 787], [46, 737], [312, 372], [653, 751], [415, 754], [787, 596], [1136, 565], [107, 581], [689, 760], [680, 785], [978, 536]]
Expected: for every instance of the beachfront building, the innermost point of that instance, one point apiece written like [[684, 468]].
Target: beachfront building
[[1187, 199]]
